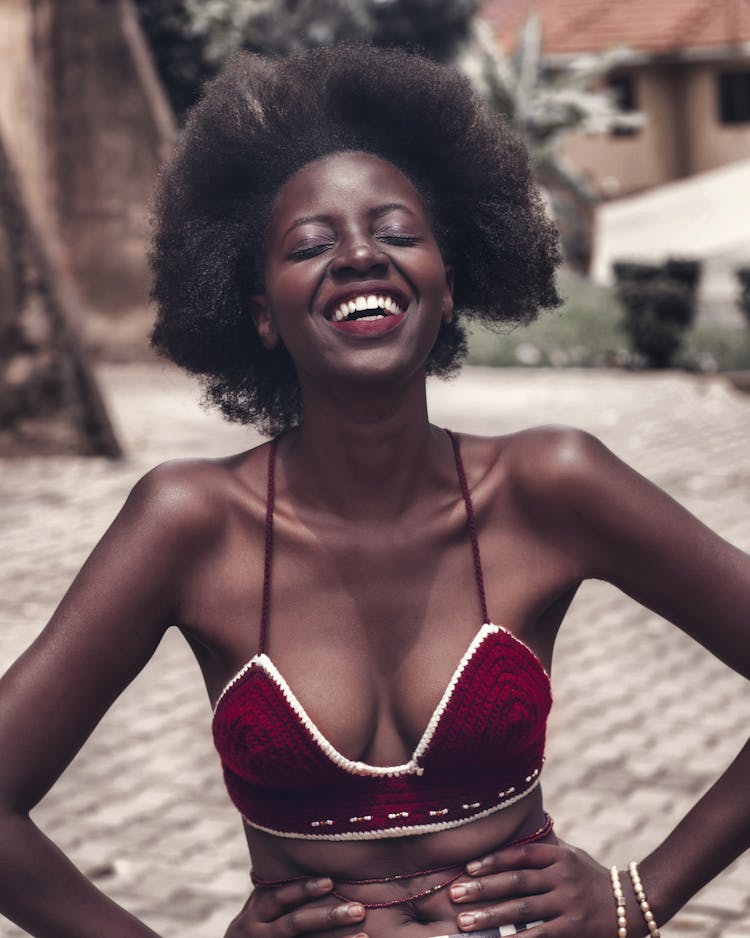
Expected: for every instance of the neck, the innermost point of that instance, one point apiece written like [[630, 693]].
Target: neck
[[364, 456]]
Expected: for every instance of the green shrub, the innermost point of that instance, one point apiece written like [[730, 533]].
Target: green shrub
[[684, 271], [635, 271], [743, 300], [588, 333], [660, 303]]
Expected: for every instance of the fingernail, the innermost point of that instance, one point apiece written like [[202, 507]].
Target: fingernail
[[320, 885], [474, 867], [466, 919], [355, 910], [458, 892]]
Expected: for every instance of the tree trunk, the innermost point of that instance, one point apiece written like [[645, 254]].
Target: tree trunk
[[49, 399]]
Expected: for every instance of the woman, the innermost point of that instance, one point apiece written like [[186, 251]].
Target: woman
[[325, 225]]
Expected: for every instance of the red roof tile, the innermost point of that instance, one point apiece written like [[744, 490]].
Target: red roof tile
[[650, 26]]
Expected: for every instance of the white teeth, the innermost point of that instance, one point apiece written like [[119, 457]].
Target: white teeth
[[361, 303]]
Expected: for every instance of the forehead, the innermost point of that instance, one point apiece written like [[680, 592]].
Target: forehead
[[343, 180]]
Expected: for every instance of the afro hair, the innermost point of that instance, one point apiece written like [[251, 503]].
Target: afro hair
[[263, 119]]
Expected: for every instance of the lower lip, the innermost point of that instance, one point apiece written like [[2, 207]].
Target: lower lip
[[370, 327]]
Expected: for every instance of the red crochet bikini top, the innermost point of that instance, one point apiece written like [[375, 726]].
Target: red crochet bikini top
[[481, 751]]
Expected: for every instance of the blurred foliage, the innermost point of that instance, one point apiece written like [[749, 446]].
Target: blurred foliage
[[545, 104], [743, 298], [660, 303], [192, 38], [179, 52], [282, 26], [657, 316], [716, 348], [588, 332]]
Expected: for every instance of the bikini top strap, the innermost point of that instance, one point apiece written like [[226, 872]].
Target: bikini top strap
[[268, 546], [268, 549], [472, 525]]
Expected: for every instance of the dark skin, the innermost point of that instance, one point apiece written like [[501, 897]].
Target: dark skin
[[370, 548]]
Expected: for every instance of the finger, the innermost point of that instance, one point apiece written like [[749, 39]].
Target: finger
[[530, 911], [501, 886], [525, 856], [276, 900], [318, 918]]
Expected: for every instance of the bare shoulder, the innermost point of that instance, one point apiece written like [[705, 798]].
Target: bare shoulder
[[189, 498], [184, 493], [546, 464], [556, 464]]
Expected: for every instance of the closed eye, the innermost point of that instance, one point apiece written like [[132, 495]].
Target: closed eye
[[400, 239], [312, 250]]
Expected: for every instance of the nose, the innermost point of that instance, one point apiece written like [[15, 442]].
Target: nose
[[358, 258]]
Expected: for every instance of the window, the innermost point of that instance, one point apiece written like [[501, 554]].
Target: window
[[734, 97], [623, 91]]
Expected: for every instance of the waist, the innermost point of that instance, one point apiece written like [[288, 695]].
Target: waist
[[409, 856], [404, 894]]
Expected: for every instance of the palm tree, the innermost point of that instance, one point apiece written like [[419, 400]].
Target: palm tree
[[545, 105]]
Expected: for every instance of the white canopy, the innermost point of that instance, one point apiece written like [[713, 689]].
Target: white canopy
[[704, 217]]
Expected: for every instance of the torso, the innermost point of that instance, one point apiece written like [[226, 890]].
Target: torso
[[347, 601]]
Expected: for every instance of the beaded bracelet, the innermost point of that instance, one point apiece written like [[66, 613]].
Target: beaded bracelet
[[640, 895], [622, 922]]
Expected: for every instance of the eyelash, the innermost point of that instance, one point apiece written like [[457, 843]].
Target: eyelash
[[302, 254], [399, 240]]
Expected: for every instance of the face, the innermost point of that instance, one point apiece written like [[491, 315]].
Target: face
[[355, 283]]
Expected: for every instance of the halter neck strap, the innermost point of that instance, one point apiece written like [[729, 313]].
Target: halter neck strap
[[268, 550], [471, 523]]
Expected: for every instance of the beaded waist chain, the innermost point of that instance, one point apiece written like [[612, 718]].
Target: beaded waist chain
[[456, 870], [500, 932]]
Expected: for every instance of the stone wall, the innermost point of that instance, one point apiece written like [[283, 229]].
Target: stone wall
[[85, 131]]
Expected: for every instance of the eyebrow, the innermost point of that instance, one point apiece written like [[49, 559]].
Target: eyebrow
[[390, 207], [376, 212], [308, 219]]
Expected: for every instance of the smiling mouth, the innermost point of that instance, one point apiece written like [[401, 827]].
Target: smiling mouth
[[366, 307]]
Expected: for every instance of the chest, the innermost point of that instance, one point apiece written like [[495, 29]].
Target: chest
[[369, 631]]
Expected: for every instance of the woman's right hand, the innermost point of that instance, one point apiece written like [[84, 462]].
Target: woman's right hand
[[295, 909]]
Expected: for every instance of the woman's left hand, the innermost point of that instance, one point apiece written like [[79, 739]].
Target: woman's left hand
[[558, 886]]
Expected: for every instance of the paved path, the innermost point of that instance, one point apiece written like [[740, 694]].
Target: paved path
[[643, 718]]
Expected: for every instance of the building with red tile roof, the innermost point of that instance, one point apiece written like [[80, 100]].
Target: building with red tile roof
[[687, 71], [667, 27]]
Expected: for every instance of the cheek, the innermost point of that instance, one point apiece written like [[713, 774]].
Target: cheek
[[288, 301], [294, 285], [282, 288], [438, 278]]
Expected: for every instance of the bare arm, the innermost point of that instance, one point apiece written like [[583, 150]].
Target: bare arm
[[627, 531], [619, 527], [104, 631], [633, 535]]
